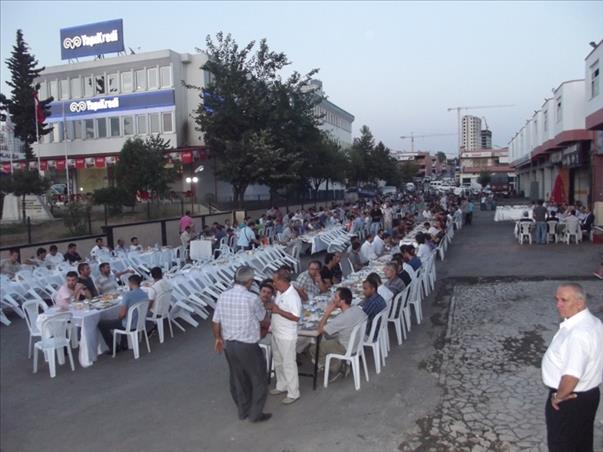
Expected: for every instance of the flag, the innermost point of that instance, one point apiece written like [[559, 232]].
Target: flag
[[39, 109]]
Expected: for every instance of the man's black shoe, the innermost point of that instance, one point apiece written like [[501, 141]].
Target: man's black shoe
[[263, 417]]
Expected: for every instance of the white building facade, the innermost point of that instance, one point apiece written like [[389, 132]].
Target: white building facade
[[334, 119], [472, 127]]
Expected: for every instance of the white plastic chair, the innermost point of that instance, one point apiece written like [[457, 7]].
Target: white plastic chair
[[551, 235], [525, 232], [396, 314], [573, 231], [32, 309], [353, 354], [374, 339], [55, 332], [415, 297], [133, 335], [162, 307]]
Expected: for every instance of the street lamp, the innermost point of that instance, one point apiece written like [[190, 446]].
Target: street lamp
[[192, 180]]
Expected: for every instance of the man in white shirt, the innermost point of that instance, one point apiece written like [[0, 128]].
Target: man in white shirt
[[159, 290], [572, 369], [286, 311], [367, 253], [135, 246], [54, 258], [571, 222], [246, 236], [70, 291], [98, 249], [378, 243]]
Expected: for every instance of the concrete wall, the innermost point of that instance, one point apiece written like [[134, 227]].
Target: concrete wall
[[83, 247], [593, 104]]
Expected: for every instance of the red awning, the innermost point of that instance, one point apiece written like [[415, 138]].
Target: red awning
[[187, 157], [80, 163], [99, 162], [60, 165]]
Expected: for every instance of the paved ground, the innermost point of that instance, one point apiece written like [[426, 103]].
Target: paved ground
[[176, 398]]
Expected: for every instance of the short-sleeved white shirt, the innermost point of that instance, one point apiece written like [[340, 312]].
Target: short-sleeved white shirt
[[288, 301], [576, 350]]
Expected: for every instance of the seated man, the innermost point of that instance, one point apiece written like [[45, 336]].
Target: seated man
[[120, 248], [424, 250], [39, 260], [552, 216], [354, 256], [84, 270], [11, 265], [54, 258], [310, 283], [587, 222], [367, 253], [373, 303], [72, 290], [382, 290], [526, 218], [98, 249], [408, 254], [403, 274], [107, 281], [331, 271], [393, 281], [572, 222], [135, 246], [134, 296], [336, 331], [159, 288], [72, 255]]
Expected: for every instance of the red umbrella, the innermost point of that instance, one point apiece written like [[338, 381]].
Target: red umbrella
[[558, 193]]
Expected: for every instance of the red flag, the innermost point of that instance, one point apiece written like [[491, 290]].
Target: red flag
[[40, 113]]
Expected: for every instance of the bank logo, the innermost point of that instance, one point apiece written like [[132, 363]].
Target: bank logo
[[90, 40], [94, 105]]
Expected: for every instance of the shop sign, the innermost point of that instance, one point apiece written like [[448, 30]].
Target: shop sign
[[92, 39]]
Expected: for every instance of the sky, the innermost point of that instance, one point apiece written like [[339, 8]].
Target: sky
[[396, 66]]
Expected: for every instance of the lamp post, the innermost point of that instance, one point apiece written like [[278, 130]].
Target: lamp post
[[192, 180]]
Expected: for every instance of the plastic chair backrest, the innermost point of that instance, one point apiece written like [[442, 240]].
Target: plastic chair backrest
[[31, 308], [376, 325], [394, 309], [56, 326], [140, 310], [385, 293], [355, 343], [162, 303], [525, 228], [552, 227]]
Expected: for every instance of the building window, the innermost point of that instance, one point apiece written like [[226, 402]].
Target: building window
[[126, 81], [128, 125], [166, 120], [89, 129], [154, 123], [101, 127], [153, 78], [165, 76], [88, 86], [42, 92], [141, 124], [114, 122], [65, 89], [77, 129], [54, 89], [76, 88], [558, 109], [100, 84], [594, 79], [113, 80], [141, 80]]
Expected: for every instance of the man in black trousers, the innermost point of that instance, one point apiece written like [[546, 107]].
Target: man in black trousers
[[572, 368], [236, 328]]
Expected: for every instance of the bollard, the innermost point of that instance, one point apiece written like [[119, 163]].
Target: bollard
[[28, 230]]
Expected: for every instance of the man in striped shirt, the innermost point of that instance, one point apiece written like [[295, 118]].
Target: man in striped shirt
[[373, 303]]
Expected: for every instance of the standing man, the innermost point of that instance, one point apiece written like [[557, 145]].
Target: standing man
[[236, 327], [185, 221], [572, 369], [286, 311], [468, 212], [539, 213]]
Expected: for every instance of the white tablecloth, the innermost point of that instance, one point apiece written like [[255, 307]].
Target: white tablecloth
[[511, 213]]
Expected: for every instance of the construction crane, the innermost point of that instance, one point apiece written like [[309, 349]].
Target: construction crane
[[412, 137], [478, 107]]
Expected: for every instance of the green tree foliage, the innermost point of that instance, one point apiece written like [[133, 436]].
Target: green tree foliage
[[258, 127], [441, 157], [76, 217], [484, 178], [23, 183], [23, 68], [408, 170], [142, 166], [328, 162], [114, 198]]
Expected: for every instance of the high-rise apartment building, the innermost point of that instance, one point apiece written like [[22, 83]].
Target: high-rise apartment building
[[486, 139], [472, 127]]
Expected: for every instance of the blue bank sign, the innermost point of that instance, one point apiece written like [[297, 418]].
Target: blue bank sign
[[137, 103], [92, 39]]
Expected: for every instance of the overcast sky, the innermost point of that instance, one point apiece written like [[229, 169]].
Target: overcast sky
[[395, 66]]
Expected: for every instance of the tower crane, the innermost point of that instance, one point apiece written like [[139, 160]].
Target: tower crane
[[477, 107], [412, 137]]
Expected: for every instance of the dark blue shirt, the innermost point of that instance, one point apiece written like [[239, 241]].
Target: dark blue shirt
[[371, 307], [415, 263]]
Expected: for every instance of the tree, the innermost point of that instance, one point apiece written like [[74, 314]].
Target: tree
[[441, 157], [327, 163], [21, 106], [484, 178], [408, 171], [359, 156], [23, 183], [142, 166], [114, 198], [257, 126]]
